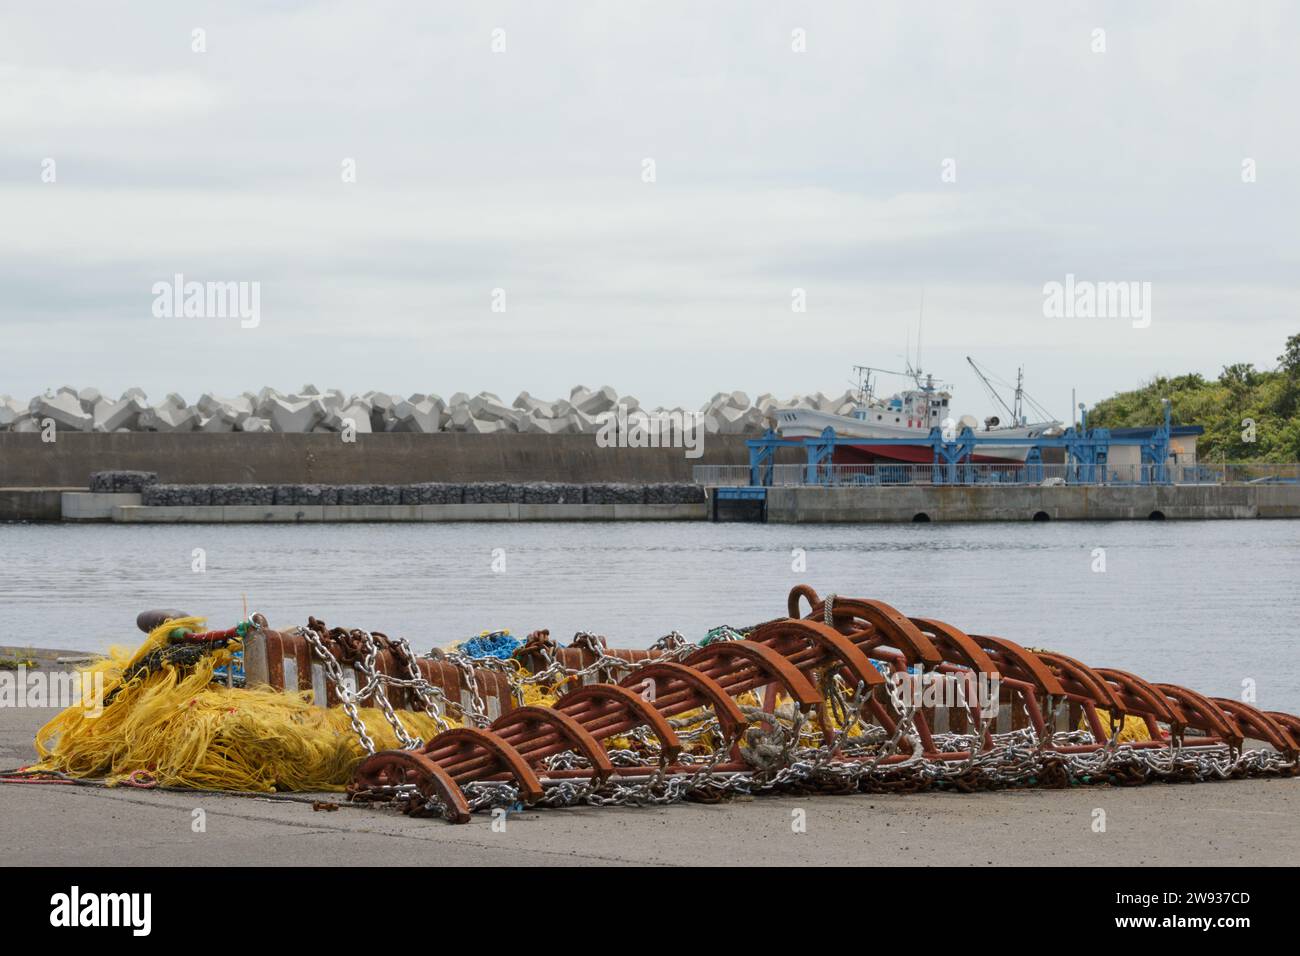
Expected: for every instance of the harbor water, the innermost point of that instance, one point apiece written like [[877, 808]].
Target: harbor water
[[1214, 605]]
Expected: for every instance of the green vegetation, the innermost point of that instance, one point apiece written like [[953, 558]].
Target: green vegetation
[[1269, 398]]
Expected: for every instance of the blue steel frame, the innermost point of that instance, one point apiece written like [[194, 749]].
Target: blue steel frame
[[1086, 453]]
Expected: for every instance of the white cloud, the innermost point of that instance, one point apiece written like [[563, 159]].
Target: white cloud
[[521, 170], [36, 101]]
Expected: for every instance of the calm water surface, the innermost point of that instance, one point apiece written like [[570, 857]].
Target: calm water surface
[[1203, 603]]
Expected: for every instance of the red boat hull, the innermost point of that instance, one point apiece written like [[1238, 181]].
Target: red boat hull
[[902, 454]]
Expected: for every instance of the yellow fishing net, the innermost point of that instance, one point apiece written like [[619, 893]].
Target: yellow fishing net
[[1135, 728], [186, 731], [538, 695]]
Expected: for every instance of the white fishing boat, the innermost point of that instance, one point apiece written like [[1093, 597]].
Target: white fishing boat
[[912, 413]]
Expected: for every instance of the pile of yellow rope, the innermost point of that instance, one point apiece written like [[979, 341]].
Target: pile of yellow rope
[[186, 731], [1133, 729]]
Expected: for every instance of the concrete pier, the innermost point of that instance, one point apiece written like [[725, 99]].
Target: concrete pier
[[787, 505], [805, 504], [32, 504]]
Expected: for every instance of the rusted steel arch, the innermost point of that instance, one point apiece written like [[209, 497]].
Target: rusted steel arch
[[767, 661], [522, 719], [956, 645], [891, 628], [885, 626], [1289, 721], [1019, 663], [876, 615], [1141, 698], [1259, 724], [704, 690], [460, 745], [1089, 683], [787, 658], [826, 639], [1213, 720], [390, 768], [803, 591], [889, 624], [584, 705]]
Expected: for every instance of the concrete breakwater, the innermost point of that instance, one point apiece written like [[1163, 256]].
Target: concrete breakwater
[[311, 410]]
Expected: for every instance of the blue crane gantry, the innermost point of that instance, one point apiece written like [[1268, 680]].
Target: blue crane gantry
[[1086, 453]]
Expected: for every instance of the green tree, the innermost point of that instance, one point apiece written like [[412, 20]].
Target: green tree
[[1290, 359], [1288, 399], [1239, 379], [1238, 375], [1270, 399]]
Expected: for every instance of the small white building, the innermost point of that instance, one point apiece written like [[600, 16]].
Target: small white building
[[1182, 447]]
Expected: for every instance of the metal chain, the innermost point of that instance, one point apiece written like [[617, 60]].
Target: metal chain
[[347, 698], [794, 753]]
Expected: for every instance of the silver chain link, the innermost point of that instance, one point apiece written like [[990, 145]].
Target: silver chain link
[[790, 752]]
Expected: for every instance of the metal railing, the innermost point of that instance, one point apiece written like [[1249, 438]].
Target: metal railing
[[885, 474], [1248, 472]]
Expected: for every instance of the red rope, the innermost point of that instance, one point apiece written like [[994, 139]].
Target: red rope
[[141, 779], [23, 775], [213, 635]]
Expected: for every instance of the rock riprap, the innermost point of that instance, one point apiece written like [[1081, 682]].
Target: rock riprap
[[157, 494]]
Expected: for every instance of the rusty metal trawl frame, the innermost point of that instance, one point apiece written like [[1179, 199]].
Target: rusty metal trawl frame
[[816, 701]]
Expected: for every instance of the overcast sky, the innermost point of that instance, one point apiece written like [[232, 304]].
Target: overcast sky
[[523, 170]]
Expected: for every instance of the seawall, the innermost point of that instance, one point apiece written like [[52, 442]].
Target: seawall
[[401, 458]]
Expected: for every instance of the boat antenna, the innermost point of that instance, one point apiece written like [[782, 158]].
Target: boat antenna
[[920, 327], [864, 375]]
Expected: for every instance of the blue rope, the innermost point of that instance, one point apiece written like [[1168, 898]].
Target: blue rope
[[237, 679], [498, 644]]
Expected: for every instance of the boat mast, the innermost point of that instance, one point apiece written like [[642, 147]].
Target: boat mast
[[864, 383], [864, 377], [1015, 419], [920, 328]]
